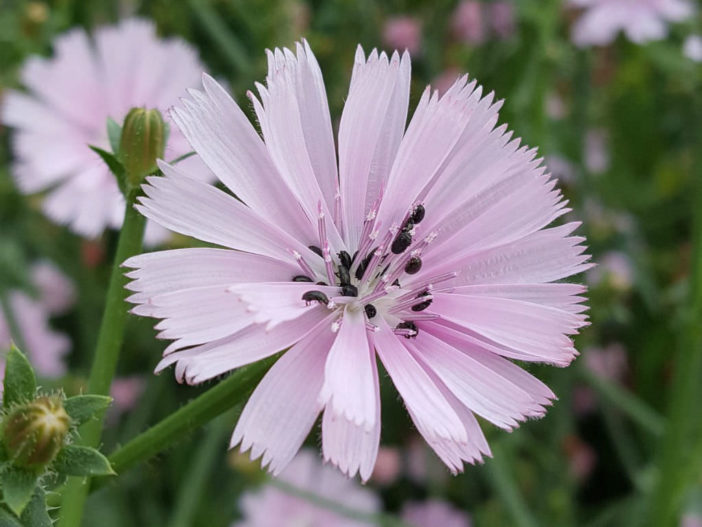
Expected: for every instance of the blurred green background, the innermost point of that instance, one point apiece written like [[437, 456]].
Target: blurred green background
[[620, 127]]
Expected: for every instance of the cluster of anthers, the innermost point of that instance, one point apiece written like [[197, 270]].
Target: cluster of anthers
[[370, 278]]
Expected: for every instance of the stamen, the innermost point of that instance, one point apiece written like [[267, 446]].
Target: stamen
[[409, 303], [380, 252], [337, 210], [420, 316], [302, 263], [326, 252], [377, 294], [430, 282]]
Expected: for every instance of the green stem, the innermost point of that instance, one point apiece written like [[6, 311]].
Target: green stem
[[195, 481], [13, 326], [196, 413], [106, 353], [635, 408], [676, 466], [506, 488]]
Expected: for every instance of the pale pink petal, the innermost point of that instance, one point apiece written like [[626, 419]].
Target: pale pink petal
[[349, 389], [56, 292], [285, 404]]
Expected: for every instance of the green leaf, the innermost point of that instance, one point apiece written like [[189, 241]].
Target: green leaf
[[76, 460], [82, 408], [17, 488], [20, 382], [36, 513], [8, 520], [114, 132], [114, 165]]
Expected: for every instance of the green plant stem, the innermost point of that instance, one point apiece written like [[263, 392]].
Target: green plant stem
[[189, 417], [106, 353], [195, 481], [676, 465], [502, 480], [13, 326], [639, 412]]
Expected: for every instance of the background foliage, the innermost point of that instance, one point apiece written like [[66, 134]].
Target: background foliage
[[571, 468]]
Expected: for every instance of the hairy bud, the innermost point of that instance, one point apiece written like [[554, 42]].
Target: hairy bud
[[33, 433], [142, 142]]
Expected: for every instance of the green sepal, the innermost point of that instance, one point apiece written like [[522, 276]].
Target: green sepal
[[20, 383], [114, 132], [36, 513], [17, 488], [76, 460], [8, 520], [115, 166], [82, 408]]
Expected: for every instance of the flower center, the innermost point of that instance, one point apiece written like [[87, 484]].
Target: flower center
[[371, 279]]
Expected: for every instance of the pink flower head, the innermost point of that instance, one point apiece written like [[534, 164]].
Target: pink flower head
[[502, 18], [70, 97], [434, 512], [45, 347], [273, 507], [468, 23], [403, 32], [425, 247], [639, 20], [126, 391]]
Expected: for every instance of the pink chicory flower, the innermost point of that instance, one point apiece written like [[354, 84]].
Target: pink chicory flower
[[70, 97], [403, 32], [272, 506], [502, 18], [427, 247], [640, 20], [433, 512], [44, 347]]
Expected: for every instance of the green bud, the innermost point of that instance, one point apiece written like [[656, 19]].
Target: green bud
[[34, 433], [142, 142]]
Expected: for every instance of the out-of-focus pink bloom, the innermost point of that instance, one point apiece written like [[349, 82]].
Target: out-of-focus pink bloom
[[692, 48], [44, 347], [610, 362], [272, 507], [561, 168], [581, 458], [388, 466], [584, 400], [502, 20], [691, 519], [456, 269], [70, 97], [596, 151], [56, 291], [447, 79], [403, 32], [468, 22], [639, 20], [614, 268], [432, 513], [126, 391], [422, 464]]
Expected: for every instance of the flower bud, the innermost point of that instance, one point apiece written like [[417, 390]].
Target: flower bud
[[33, 433], [142, 142]]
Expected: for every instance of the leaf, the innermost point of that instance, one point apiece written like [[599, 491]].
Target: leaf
[[8, 520], [114, 165], [17, 488], [36, 513], [114, 132], [82, 408], [20, 382], [76, 460]]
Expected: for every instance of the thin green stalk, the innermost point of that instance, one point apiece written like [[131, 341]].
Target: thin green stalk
[[106, 353], [195, 481], [638, 411], [12, 324], [189, 417], [506, 488], [676, 466]]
